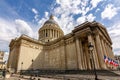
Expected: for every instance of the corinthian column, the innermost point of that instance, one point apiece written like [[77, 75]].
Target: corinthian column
[[50, 33], [100, 52], [44, 32], [79, 52], [63, 56], [53, 34]]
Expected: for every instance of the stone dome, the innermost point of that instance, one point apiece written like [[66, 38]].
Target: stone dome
[[50, 30], [51, 21]]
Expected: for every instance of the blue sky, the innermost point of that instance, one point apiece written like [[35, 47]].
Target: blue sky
[[27, 16]]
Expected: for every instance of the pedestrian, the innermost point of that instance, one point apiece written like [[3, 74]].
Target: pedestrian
[[30, 78], [4, 73]]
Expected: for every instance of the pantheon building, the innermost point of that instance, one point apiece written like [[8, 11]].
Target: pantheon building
[[55, 51]]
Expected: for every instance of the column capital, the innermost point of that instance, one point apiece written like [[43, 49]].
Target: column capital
[[89, 36], [77, 37], [89, 33], [93, 33]]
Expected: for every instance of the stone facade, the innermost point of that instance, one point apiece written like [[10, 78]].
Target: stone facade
[[58, 52]]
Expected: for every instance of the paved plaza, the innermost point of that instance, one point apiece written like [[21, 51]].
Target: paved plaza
[[62, 77]]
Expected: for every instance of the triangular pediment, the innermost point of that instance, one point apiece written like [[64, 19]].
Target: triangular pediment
[[104, 32]]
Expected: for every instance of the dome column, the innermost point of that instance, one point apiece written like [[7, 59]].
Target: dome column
[[50, 30]]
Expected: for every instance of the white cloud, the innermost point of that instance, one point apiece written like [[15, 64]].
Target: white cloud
[[109, 12], [34, 11], [36, 17], [6, 55], [67, 9], [7, 31], [23, 27], [114, 32], [11, 29], [98, 9], [90, 17], [66, 23], [46, 14], [41, 21], [70, 6], [81, 19], [116, 2], [95, 3]]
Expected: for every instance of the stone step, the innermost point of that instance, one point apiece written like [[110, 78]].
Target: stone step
[[82, 72]]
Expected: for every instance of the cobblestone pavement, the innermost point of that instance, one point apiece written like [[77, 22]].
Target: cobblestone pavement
[[63, 77]]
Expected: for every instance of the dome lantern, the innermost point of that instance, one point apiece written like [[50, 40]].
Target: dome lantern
[[51, 17]]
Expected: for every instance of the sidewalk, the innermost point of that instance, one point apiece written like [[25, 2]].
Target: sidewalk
[[62, 77]]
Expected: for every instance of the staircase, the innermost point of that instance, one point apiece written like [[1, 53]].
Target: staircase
[[64, 72]]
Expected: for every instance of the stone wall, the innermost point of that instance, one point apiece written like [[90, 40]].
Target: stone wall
[[29, 51]]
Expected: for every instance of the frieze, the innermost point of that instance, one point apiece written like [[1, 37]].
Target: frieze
[[69, 41], [30, 45], [53, 46], [36, 46]]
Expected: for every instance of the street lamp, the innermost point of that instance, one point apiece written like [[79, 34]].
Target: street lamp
[[21, 70], [90, 47], [32, 68], [117, 59], [32, 64], [21, 66], [4, 72]]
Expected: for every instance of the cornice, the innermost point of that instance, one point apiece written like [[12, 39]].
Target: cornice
[[14, 43], [70, 40], [30, 44], [81, 26], [103, 30], [25, 37]]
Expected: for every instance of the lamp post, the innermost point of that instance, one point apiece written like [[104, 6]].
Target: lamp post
[[119, 62], [4, 73], [117, 59], [21, 66], [32, 69], [90, 47], [32, 63]]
